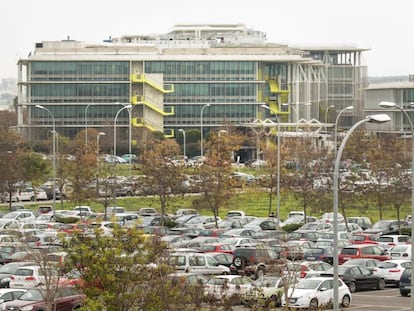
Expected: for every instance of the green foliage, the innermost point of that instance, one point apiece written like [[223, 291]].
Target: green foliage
[[128, 271], [291, 227]]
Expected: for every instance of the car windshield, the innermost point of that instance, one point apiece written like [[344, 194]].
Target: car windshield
[[32, 295], [266, 282], [314, 251], [9, 268], [308, 284], [380, 225]]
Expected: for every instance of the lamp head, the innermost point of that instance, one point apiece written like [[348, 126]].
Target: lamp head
[[378, 118], [40, 106], [385, 104], [101, 134], [181, 130], [265, 106], [349, 108], [128, 106]]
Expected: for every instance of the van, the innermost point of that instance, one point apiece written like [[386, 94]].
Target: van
[[197, 263], [296, 214]]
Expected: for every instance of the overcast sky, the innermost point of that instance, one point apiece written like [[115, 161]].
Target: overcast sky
[[383, 26]]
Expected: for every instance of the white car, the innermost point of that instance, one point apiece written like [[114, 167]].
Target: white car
[[228, 286], [391, 270], [9, 294], [313, 293], [31, 276], [197, 263], [393, 240], [402, 251], [268, 290]]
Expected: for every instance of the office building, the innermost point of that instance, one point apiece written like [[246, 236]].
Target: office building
[[230, 70]]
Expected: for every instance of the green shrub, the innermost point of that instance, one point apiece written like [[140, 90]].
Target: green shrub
[[291, 227]]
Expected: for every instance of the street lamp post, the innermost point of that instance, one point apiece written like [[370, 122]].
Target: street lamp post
[[336, 126], [385, 104], [54, 156], [116, 118], [379, 118], [278, 168], [201, 128], [184, 143]]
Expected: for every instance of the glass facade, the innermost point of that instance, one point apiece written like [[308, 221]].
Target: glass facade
[[232, 85], [79, 71], [66, 88]]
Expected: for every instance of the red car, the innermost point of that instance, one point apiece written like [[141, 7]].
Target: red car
[[364, 238], [362, 251], [217, 248], [67, 299]]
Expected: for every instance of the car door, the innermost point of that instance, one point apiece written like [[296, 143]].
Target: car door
[[64, 299], [325, 292], [370, 280]]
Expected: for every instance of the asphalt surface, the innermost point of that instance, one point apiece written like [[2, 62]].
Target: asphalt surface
[[388, 299]]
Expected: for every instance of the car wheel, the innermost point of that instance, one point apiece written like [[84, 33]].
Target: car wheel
[[346, 301], [259, 273], [404, 294], [381, 284], [313, 304], [235, 299], [239, 262], [273, 302], [352, 287]]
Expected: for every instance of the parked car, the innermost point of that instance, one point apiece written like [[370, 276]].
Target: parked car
[[403, 251], [9, 294], [20, 215], [197, 263], [357, 278], [324, 254], [363, 221], [30, 276], [383, 227], [393, 240], [65, 299], [233, 287], [392, 270], [329, 217], [252, 261], [362, 251], [7, 270], [314, 292], [367, 263], [405, 282], [364, 238]]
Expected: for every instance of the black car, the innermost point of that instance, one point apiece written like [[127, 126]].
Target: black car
[[319, 253], [383, 227], [358, 278], [405, 282], [252, 261]]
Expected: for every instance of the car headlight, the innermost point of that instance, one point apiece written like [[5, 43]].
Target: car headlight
[[27, 308]]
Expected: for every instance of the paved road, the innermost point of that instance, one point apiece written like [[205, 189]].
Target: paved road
[[388, 299]]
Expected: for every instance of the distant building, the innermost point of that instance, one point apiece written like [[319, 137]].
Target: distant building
[[400, 93], [168, 79]]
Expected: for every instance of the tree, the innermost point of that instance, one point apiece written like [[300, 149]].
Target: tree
[[79, 172], [309, 175], [129, 271], [162, 169], [11, 165], [215, 173]]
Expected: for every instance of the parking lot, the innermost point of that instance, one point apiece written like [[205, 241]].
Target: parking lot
[[388, 299]]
